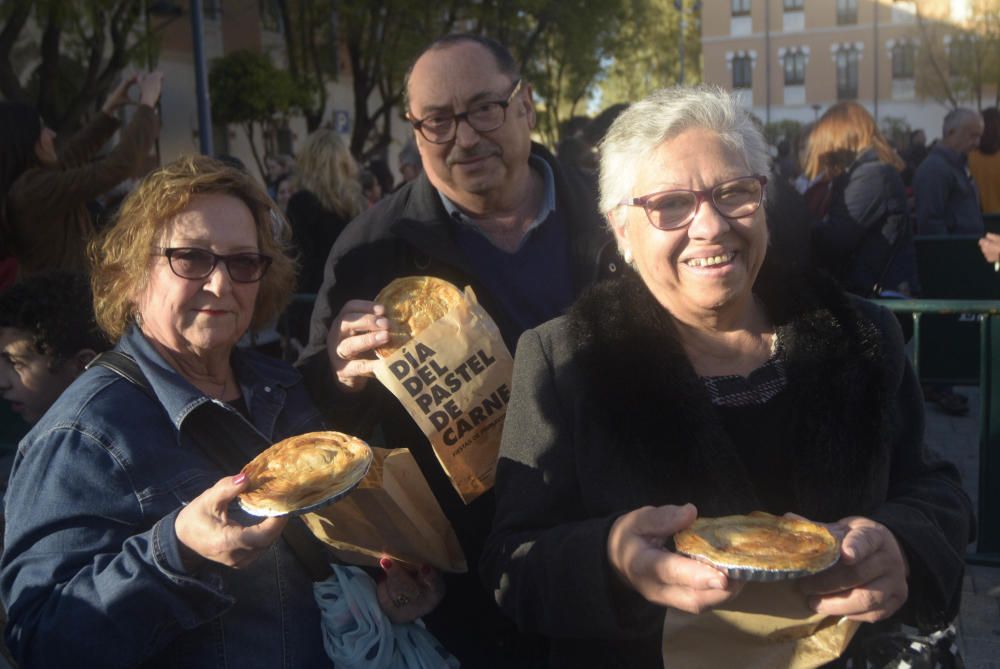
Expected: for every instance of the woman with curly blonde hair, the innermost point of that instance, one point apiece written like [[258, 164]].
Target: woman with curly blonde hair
[[123, 545], [329, 196]]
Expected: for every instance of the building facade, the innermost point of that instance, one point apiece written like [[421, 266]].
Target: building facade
[[792, 59]]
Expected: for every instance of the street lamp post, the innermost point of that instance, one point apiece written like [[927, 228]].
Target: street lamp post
[[201, 80]]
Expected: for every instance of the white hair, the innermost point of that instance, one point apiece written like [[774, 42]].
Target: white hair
[[956, 118], [663, 115]]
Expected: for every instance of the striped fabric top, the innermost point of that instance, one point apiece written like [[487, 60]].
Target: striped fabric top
[[763, 383]]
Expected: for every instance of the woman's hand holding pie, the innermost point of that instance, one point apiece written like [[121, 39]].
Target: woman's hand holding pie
[[869, 582], [204, 529], [635, 550]]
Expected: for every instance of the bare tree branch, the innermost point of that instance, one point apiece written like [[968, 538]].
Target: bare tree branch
[[928, 41]]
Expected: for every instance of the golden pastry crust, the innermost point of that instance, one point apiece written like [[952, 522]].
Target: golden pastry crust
[[304, 470], [412, 303], [760, 541]]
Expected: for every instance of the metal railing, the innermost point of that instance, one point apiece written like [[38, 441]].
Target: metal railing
[[988, 504]]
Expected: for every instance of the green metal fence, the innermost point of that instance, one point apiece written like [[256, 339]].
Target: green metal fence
[[988, 314]]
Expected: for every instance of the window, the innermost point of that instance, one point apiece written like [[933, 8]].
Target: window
[[795, 68], [904, 11], [847, 73], [794, 5], [742, 72], [210, 9], [961, 58], [270, 16], [741, 7], [903, 56], [847, 12]]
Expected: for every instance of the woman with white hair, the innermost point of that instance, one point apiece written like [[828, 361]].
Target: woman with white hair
[[706, 381]]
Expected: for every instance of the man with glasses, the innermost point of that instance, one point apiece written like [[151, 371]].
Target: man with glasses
[[491, 210]]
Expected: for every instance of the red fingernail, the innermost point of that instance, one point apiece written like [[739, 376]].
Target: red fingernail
[[386, 563], [239, 478]]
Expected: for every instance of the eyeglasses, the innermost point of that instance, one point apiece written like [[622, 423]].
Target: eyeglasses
[[194, 263], [672, 209], [440, 128]]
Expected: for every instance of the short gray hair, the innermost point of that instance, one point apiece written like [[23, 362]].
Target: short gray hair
[[955, 119], [663, 115]]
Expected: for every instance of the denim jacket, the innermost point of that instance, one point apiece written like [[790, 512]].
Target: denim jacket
[[92, 574]]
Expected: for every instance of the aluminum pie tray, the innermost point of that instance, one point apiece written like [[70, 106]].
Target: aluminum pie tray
[[343, 489], [742, 573]]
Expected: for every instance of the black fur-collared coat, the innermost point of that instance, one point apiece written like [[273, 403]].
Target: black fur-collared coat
[[607, 415]]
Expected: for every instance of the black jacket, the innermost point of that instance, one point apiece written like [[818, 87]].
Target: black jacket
[[607, 415], [866, 226], [410, 233], [314, 230]]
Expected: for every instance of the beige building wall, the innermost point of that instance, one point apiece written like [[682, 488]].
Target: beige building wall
[[770, 32]]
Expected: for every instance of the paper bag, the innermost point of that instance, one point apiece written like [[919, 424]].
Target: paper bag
[[768, 625], [453, 378], [391, 513]]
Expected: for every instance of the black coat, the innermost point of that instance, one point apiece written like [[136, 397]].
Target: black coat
[[410, 233], [607, 415], [866, 227], [314, 230]]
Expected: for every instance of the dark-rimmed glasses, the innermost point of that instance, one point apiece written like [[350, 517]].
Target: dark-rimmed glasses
[[672, 209], [193, 263], [440, 127]]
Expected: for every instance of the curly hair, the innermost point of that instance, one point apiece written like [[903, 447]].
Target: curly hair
[[121, 255], [56, 310], [328, 170]]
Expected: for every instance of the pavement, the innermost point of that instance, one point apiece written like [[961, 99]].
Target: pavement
[[956, 438]]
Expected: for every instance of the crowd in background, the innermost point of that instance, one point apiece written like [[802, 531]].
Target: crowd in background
[[839, 197]]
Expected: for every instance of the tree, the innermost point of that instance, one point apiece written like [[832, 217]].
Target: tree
[[647, 57], [81, 48], [970, 62], [568, 58], [247, 89], [309, 29], [787, 129], [897, 130], [381, 39], [562, 48]]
